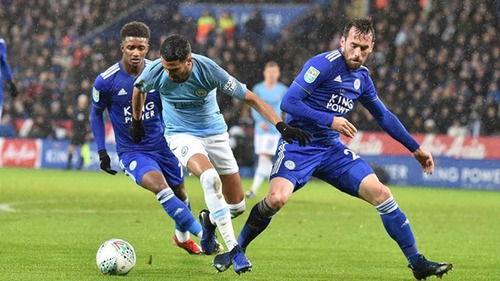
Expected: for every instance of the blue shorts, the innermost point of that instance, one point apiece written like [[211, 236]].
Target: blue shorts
[[336, 165], [137, 163]]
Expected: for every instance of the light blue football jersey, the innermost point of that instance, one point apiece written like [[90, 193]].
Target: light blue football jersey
[[191, 107], [273, 98]]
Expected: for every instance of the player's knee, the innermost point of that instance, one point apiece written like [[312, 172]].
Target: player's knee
[[380, 194], [210, 181], [276, 200], [237, 209]]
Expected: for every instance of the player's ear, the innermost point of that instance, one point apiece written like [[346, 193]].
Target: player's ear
[[342, 42]]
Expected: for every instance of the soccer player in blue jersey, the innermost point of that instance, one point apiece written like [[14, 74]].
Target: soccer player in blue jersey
[[266, 137], [197, 134], [150, 163], [326, 89], [6, 73]]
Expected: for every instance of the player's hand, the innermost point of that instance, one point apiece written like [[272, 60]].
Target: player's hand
[[343, 126], [136, 130], [425, 159], [106, 162], [289, 134], [13, 89]]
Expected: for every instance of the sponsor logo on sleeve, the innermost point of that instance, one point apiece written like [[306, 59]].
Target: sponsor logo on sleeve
[[230, 85], [95, 94], [311, 74]]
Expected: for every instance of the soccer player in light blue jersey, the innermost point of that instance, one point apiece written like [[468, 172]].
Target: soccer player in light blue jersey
[[150, 163], [6, 73], [197, 134], [266, 137], [324, 91]]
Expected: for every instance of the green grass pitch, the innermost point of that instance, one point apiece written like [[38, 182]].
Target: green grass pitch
[[52, 223]]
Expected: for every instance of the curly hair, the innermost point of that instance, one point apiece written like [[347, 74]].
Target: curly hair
[[135, 29]]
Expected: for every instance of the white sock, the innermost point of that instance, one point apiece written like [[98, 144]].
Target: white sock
[[264, 166], [219, 211], [237, 209], [182, 236]]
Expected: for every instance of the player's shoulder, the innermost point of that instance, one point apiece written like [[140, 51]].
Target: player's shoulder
[[2, 41], [327, 60], [204, 62], [364, 69], [112, 70]]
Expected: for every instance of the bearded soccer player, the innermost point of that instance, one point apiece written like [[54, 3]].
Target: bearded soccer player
[[323, 92], [150, 163]]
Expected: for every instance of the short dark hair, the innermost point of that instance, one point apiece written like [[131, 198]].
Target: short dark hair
[[364, 25], [175, 47], [135, 29]]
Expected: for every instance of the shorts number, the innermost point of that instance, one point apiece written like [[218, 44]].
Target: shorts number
[[354, 155]]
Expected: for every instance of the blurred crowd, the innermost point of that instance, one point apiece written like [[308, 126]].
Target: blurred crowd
[[436, 66]]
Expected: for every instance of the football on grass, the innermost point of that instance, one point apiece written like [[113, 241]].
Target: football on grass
[[115, 257]]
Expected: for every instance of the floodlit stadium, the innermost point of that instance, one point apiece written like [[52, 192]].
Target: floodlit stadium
[[435, 65]]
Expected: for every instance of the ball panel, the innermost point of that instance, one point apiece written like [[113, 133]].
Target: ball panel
[[115, 257]]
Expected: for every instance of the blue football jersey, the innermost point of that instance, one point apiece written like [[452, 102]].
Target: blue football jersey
[[273, 98], [113, 91], [4, 67], [332, 88], [191, 107]]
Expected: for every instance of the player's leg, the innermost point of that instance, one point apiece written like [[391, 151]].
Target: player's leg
[[265, 147], [264, 166], [351, 174], [174, 175], [286, 177], [221, 156], [233, 193], [398, 227], [191, 153], [144, 171], [71, 150]]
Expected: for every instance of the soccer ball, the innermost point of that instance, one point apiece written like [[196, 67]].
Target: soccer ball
[[115, 257]]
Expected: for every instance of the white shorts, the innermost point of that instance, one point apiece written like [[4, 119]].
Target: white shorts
[[266, 143], [216, 148]]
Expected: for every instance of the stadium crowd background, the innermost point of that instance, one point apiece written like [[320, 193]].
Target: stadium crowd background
[[436, 66]]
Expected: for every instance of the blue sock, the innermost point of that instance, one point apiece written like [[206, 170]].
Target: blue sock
[[177, 226], [259, 218], [398, 227], [178, 211]]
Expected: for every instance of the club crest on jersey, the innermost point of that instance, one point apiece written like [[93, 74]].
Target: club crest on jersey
[[290, 165], [95, 94], [132, 165], [200, 93], [357, 84], [311, 74], [184, 151]]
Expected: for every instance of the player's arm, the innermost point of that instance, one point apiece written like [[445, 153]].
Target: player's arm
[[97, 124], [265, 110], [6, 72], [391, 124], [293, 103], [136, 129]]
